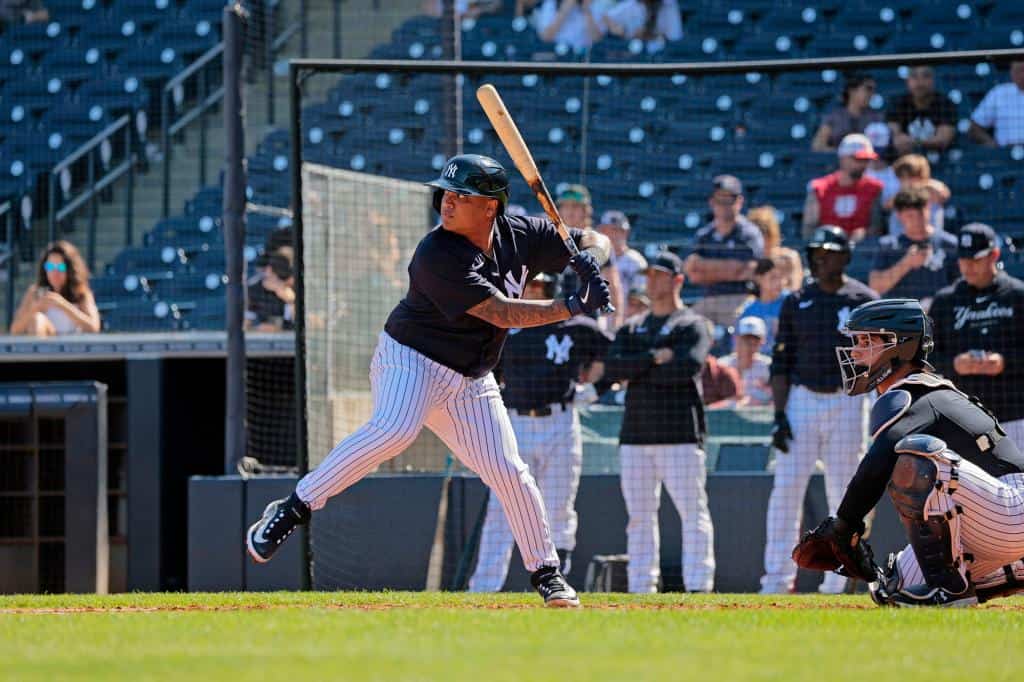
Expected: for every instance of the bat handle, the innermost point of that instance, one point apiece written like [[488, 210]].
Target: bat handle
[[570, 245]]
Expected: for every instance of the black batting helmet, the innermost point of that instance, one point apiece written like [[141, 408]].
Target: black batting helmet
[[474, 175], [830, 238], [552, 283], [908, 340]]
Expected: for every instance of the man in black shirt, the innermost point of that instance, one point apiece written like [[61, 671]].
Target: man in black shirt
[[923, 119], [660, 353], [979, 328], [954, 477], [433, 363], [813, 419], [542, 369]]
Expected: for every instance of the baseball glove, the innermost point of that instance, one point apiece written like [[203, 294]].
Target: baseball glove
[[835, 546]]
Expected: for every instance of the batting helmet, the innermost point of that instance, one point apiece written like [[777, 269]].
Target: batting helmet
[[473, 175], [830, 238], [907, 333], [552, 283]]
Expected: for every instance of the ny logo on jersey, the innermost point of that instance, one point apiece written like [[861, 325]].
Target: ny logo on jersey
[[842, 315], [450, 171], [514, 288], [558, 351]]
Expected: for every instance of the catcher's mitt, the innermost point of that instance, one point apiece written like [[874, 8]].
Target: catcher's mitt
[[835, 546]]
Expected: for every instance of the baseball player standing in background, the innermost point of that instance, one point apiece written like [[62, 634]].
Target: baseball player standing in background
[[541, 369], [954, 478], [979, 329], [433, 363], [813, 418], [660, 354]]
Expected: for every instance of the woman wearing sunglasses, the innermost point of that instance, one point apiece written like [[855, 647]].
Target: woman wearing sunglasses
[[60, 301]]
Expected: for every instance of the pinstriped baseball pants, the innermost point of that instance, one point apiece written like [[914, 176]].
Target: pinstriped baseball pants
[[411, 391]]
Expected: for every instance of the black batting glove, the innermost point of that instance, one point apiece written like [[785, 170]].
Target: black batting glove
[[591, 297], [585, 265], [782, 433]]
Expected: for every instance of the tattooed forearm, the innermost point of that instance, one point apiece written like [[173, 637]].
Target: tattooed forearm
[[507, 313]]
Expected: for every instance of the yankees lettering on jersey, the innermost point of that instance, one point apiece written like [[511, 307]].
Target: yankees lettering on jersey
[[809, 327], [992, 320], [449, 275], [541, 365]]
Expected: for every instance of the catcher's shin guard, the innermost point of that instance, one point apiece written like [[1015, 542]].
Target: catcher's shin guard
[[923, 483]]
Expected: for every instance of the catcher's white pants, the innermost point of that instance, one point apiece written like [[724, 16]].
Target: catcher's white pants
[[553, 449], [681, 468], [411, 391], [988, 531], [827, 426]]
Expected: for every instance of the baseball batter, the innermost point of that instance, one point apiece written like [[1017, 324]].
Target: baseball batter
[[813, 418], [433, 363], [956, 480], [540, 371]]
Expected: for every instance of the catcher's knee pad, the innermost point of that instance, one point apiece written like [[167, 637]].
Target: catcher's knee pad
[[922, 487]]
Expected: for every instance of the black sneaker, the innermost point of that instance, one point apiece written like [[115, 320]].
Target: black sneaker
[[922, 595], [550, 585], [278, 521]]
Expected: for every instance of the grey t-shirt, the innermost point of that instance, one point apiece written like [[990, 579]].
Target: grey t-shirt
[[841, 123]]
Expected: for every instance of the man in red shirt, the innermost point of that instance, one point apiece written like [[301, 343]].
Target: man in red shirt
[[847, 198]]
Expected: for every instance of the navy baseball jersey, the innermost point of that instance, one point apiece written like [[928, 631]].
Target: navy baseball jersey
[[809, 324], [449, 275], [744, 242], [926, 403], [990, 319], [939, 271], [540, 366]]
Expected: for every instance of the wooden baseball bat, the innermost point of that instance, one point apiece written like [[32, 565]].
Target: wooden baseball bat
[[508, 133]]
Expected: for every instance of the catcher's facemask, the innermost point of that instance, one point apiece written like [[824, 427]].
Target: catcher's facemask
[[867, 362]]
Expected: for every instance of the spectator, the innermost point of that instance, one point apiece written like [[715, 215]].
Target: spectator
[[577, 23], [60, 301], [577, 210], [923, 119], [725, 255], [637, 303], [1003, 111], [786, 259], [852, 117], [753, 366], [846, 197], [720, 385], [918, 262], [913, 170], [654, 21], [770, 293], [272, 298], [464, 9], [979, 323], [14, 12], [661, 355], [629, 262]]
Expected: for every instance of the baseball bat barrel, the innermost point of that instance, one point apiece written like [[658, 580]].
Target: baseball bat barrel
[[515, 145]]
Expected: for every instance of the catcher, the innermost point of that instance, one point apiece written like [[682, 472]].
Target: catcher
[[955, 480]]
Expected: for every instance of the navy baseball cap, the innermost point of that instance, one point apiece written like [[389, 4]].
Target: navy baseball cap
[[667, 261], [976, 240], [727, 183]]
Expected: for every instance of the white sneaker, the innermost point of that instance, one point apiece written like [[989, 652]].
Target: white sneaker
[[832, 584]]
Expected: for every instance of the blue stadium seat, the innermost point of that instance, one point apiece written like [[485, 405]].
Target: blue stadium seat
[[111, 37], [191, 287], [36, 39], [182, 231], [206, 313], [147, 13], [116, 95], [143, 260], [76, 12], [154, 66], [14, 64], [766, 46], [74, 64], [131, 315], [34, 95], [799, 22], [76, 120], [210, 10], [190, 37]]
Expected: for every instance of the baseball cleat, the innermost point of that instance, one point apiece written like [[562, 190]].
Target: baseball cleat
[[922, 596], [551, 585], [278, 521]]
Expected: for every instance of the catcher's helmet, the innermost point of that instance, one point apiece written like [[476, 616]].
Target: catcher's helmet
[[472, 174], [907, 331]]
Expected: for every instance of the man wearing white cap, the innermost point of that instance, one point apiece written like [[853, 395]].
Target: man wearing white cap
[[629, 262], [847, 197], [754, 368]]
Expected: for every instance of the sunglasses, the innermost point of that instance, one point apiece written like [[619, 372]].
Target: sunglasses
[[55, 267]]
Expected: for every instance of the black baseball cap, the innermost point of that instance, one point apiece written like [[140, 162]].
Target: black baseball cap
[[616, 218], [667, 261], [976, 240], [727, 183]]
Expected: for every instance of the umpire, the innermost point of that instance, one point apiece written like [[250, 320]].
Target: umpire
[[541, 370], [660, 353], [979, 328]]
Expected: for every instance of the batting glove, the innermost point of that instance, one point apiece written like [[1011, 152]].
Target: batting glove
[[585, 265], [591, 297], [782, 433]]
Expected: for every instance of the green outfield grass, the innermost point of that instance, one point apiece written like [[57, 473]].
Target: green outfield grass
[[307, 637]]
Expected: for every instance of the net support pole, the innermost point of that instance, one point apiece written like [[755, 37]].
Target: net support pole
[[234, 236]]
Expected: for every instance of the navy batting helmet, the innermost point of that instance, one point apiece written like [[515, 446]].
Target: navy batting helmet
[[906, 338], [473, 175], [552, 283], [830, 238]]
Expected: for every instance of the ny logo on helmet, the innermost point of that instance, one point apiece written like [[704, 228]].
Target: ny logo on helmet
[[451, 170]]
